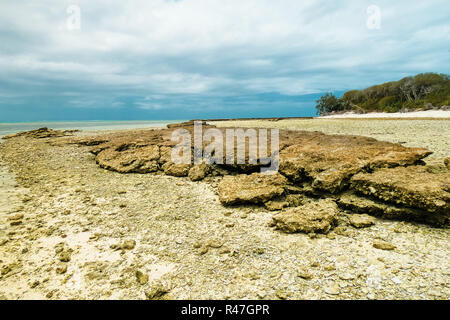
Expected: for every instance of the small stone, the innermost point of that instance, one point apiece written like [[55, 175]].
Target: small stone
[[5, 269], [203, 250], [304, 273], [281, 295], [259, 251], [129, 244], [65, 256], [156, 292], [329, 268], [383, 245], [224, 251], [62, 268], [197, 245], [215, 244], [141, 277], [15, 217], [59, 247], [361, 220], [346, 276], [332, 289]]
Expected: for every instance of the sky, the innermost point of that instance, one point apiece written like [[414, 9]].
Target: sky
[[185, 59]]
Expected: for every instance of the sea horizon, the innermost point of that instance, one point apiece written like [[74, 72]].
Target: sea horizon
[[87, 125]]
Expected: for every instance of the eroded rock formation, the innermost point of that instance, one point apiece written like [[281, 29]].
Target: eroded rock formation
[[42, 133], [314, 217], [359, 174]]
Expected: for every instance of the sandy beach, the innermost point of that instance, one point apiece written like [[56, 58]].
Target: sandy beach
[[436, 114], [90, 233]]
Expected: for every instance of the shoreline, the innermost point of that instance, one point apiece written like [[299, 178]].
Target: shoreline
[[429, 114]]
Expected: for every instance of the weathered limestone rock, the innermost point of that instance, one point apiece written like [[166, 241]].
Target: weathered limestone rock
[[358, 204], [314, 217], [329, 161], [414, 187], [199, 172], [254, 188], [289, 200], [383, 245], [42, 133], [326, 162], [361, 220], [125, 158], [176, 170], [275, 205]]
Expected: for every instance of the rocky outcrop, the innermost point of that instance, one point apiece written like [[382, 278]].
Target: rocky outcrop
[[254, 188], [416, 187], [354, 203], [314, 217], [329, 161], [385, 176], [132, 157], [42, 133]]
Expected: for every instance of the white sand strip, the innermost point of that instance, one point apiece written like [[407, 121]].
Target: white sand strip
[[414, 114]]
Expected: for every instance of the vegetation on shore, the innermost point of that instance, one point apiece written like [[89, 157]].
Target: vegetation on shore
[[423, 91]]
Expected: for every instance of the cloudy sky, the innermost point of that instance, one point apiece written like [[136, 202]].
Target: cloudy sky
[[168, 59]]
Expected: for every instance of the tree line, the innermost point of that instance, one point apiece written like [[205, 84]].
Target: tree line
[[423, 91]]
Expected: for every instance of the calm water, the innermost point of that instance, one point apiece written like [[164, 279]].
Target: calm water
[[8, 128]]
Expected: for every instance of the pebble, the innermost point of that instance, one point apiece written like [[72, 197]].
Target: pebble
[[62, 268], [157, 291], [332, 289], [129, 244], [141, 277], [361, 220], [383, 245], [304, 273]]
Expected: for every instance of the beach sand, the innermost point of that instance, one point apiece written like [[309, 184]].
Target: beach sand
[[88, 233], [438, 114]]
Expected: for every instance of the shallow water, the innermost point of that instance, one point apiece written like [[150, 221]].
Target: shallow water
[[8, 128]]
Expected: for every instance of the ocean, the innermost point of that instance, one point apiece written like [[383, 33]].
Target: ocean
[[8, 128]]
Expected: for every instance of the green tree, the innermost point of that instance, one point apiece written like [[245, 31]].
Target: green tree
[[328, 103]]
